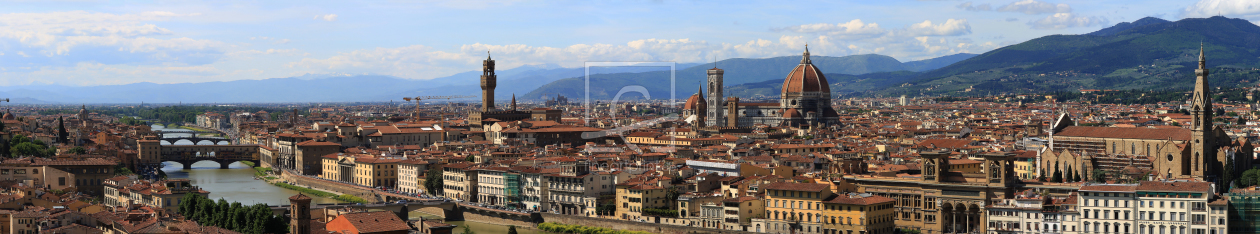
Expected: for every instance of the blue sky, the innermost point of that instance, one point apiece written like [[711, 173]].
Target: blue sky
[[107, 42]]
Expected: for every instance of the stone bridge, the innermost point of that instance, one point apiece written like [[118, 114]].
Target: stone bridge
[[171, 136], [450, 210], [222, 154]]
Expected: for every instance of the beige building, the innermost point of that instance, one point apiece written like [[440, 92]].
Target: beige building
[[410, 174], [166, 194], [459, 182]]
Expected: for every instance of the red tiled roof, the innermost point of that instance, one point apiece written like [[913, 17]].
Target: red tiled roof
[[858, 200], [1177, 134], [1175, 186], [380, 221], [807, 187]]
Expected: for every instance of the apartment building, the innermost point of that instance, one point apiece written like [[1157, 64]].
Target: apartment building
[[795, 207], [459, 181]]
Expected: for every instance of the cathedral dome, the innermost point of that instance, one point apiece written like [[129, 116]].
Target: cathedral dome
[[791, 113], [693, 102], [805, 78]]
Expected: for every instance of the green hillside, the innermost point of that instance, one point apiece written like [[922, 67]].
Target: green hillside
[[1147, 54]]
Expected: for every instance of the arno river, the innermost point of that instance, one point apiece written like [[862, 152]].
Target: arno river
[[237, 184]]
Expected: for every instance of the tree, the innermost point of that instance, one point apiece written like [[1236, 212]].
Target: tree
[[188, 205], [204, 211], [1068, 177], [4, 145], [433, 181], [1249, 177], [221, 213], [512, 229], [1227, 176], [470, 158], [258, 218], [235, 217], [1100, 176], [1058, 175], [77, 150], [62, 135], [468, 230]]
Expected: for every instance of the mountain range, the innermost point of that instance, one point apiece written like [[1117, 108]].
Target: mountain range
[[1149, 53], [736, 71]]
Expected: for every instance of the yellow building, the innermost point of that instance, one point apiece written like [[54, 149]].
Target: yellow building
[[740, 211], [796, 206], [1026, 165], [633, 198], [376, 172], [965, 166], [858, 213]]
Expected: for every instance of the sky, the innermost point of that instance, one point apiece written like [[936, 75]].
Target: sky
[[86, 42]]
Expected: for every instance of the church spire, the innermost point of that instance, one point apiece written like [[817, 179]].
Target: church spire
[[1202, 61], [1203, 147], [513, 101], [805, 57]]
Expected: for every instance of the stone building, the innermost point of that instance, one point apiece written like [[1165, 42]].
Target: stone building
[[804, 101], [1198, 151]]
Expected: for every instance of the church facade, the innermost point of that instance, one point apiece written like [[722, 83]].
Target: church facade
[[805, 100], [1199, 151]]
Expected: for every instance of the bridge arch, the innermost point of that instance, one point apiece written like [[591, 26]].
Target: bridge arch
[[188, 164]]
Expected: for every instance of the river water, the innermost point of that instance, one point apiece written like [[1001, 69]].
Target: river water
[[237, 184]]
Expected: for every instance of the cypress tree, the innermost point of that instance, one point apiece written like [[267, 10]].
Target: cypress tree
[[1077, 176], [62, 135], [1227, 175], [4, 145], [1058, 175], [1068, 177]]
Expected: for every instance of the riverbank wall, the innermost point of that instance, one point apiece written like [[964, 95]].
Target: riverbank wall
[[630, 225], [366, 194]]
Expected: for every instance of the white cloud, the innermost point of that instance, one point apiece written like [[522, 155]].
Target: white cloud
[[100, 36], [328, 17], [979, 7], [951, 27], [1246, 9], [1067, 20], [1034, 7], [286, 52], [853, 28]]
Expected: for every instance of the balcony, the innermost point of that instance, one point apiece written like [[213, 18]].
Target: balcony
[[1198, 222], [730, 220], [732, 212]]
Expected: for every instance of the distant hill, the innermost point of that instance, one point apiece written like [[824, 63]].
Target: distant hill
[[736, 71], [307, 88], [1149, 53]]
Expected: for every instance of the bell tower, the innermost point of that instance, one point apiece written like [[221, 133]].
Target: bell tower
[[1201, 125], [935, 163], [715, 100], [488, 82], [997, 168], [300, 214]]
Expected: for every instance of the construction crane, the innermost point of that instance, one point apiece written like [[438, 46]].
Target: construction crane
[[422, 98]]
